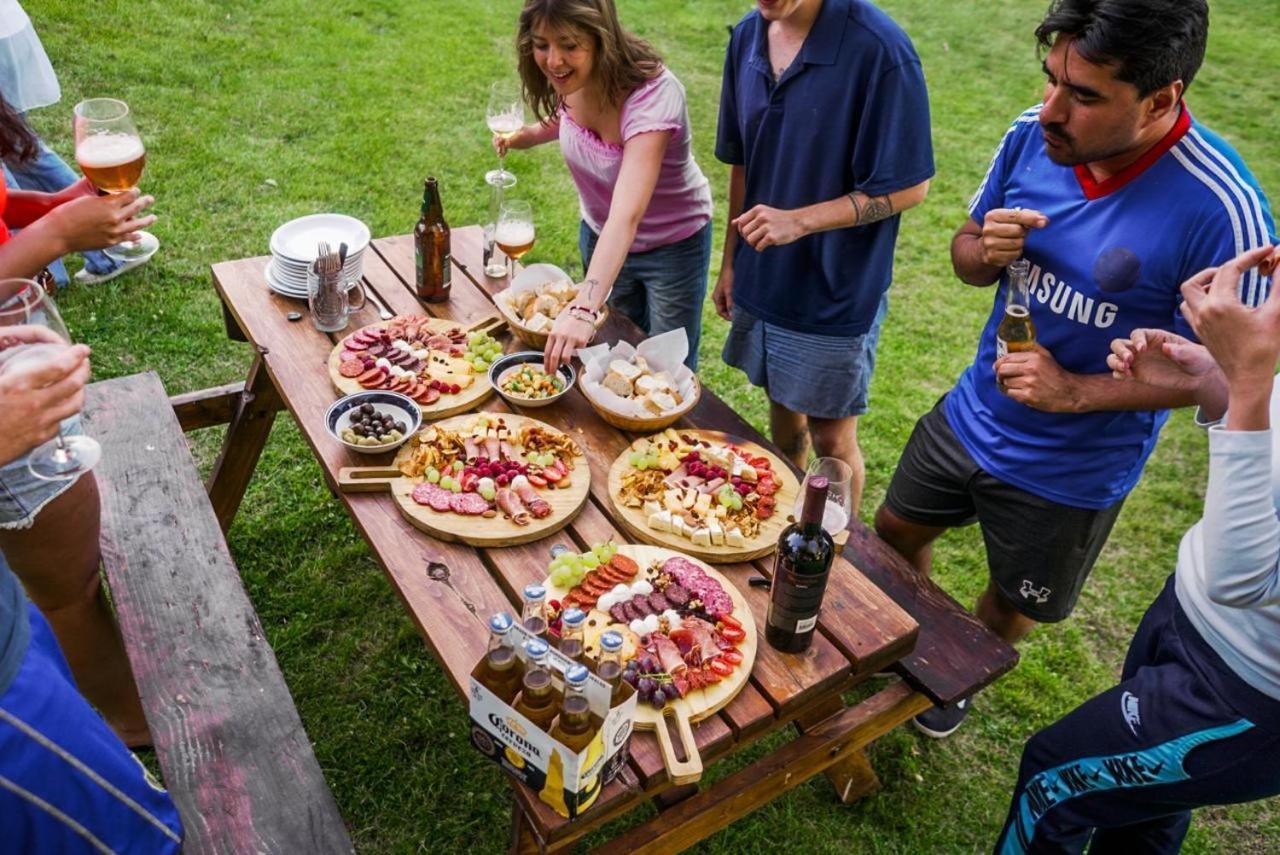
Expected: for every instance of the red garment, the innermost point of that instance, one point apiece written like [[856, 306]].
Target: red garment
[[4, 202]]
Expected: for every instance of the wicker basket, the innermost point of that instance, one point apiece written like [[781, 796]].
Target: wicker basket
[[536, 340], [650, 424]]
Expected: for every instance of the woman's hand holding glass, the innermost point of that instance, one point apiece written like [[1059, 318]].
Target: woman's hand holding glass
[[96, 222], [35, 400]]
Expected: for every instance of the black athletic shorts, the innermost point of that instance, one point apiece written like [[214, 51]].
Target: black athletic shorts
[[1039, 552]]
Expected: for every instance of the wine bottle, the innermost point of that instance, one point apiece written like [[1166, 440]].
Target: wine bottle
[[800, 571]]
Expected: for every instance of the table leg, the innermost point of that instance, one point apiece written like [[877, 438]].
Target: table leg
[[853, 777], [233, 328], [523, 840], [246, 436]]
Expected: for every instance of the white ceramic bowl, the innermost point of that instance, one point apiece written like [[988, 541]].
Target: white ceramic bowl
[[400, 407]]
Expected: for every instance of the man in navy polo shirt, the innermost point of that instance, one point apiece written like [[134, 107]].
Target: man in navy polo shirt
[[824, 118], [1116, 196]]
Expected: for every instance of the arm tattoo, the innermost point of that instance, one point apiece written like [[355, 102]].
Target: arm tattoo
[[870, 209], [592, 284]]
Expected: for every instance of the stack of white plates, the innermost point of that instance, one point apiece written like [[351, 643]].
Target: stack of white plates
[[295, 245]]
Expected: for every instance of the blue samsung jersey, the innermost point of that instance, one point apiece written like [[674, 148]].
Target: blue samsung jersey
[[1111, 260]]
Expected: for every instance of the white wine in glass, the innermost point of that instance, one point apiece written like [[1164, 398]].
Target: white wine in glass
[[505, 118], [24, 303], [110, 153]]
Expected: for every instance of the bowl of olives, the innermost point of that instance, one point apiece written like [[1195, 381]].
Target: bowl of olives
[[373, 422]]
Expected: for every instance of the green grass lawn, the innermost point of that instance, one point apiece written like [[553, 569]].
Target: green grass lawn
[[256, 111]]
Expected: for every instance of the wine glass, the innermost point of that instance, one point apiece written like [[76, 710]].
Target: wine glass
[[23, 301], [835, 516], [514, 234], [111, 155], [505, 118]]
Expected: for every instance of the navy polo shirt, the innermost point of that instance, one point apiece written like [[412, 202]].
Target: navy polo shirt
[[851, 113]]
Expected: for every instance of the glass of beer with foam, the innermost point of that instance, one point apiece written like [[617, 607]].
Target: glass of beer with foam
[[110, 153]]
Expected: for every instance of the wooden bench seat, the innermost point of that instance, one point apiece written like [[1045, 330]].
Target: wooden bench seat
[[229, 741]]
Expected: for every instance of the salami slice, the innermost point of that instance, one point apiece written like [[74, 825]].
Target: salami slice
[[619, 614], [717, 603], [351, 368], [471, 504], [676, 594], [624, 565], [658, 602], [430, 397], [432, 495], [629, 612], [355, 343], [641, 604]]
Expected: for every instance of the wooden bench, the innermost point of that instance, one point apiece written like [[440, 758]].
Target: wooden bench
[[229, 741]]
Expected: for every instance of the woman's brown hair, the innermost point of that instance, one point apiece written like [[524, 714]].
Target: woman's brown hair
[[18, 143], [622, 61]]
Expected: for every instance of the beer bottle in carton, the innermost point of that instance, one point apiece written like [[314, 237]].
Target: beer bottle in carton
[[574, 728], [610, 667], [501, 670], [533, 614], [1017, 332], [572, 639], [539, 701], [431, 247]]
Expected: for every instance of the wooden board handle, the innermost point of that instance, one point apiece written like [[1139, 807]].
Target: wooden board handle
[[491, 324], [685, 771], [367, 479]]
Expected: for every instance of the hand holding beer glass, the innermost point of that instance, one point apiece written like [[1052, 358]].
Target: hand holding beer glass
[[110, 153]]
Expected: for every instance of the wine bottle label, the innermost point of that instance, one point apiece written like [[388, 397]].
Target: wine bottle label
[[806, 624]]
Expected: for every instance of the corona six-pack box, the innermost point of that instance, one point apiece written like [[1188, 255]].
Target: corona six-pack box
[[569, 781]]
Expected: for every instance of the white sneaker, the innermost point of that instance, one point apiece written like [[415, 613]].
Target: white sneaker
[[85, 277]]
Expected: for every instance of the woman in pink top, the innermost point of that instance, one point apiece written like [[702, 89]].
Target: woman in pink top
[[623, 127]]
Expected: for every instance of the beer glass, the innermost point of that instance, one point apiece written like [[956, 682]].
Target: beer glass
[[505, 118], [110, 153], [835, 516], [514, 234], [493, 268], [24, 302]]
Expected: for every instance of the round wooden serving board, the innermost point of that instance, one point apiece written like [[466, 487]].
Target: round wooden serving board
[[696, 706], [474, 530], [636, 523], [446, 405]]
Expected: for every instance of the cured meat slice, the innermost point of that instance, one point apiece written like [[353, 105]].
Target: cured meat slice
[[355, 343], [658, 603], [629, 612], [351, 368], [641, 604], [717, 603], [624, 565], [676, 594], [432, 495], [371, 379], [430, 397], [471, 504], [619, 614]]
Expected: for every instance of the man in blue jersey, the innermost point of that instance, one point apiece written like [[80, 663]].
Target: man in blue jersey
[[1115, 195]]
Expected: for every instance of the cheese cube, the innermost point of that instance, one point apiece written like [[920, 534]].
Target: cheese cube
[[661, 521], [690, 498], [703, 504], [702, 536], [672, 500], [717, 533], [733, 537], [651, 507]]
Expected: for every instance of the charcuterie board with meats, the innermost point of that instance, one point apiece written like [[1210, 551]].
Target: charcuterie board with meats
[[437, 363], [486, 479], [704, 493], [689, 639]]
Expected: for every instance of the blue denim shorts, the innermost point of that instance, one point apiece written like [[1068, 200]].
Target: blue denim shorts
[[823, 376], [661, 289], [23, 495]]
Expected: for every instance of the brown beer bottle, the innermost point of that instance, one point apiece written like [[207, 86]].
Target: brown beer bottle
[[572, 626], [574, 728], [539, 701], [431, 247], [501, 671], [1017, 331]]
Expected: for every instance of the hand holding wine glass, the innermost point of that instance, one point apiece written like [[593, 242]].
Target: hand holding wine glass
[[505, 118], [110, 153], [45, 362], [33, 403]]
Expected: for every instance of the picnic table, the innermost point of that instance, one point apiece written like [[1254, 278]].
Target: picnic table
[[450, 589]]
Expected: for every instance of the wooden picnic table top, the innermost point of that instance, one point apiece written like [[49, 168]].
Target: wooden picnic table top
[[449, 589]]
